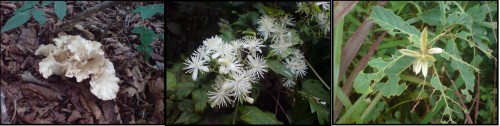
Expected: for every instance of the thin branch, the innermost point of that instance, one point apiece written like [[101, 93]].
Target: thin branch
[[478, 93], [317, 75], [464, 107], [87, 13], [277, 101], [286, 115]]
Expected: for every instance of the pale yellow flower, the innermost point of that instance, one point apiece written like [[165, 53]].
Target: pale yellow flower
[[422, 56]]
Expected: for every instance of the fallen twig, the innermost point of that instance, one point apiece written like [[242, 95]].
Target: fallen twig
[[87, 13]]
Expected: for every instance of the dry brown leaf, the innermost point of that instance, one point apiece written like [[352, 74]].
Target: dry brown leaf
[[111, 112], [74, 116], [84, 104], [95, 109], [5, 38], [156, 57], [138, 80], [48, 93]]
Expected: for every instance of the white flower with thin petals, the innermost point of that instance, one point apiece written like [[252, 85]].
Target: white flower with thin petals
[[324, 5], [219, 97], [302, 7], [288, 83], [324, 22], [422, 57], [239, 85], [258, 66], [287, 20], [224, 50], [229, 63], [203, 52], [213, 43], [266, 26], [281, 48], [237, 45], [196, 63], [296, 53], [252, 44], [296, 65]]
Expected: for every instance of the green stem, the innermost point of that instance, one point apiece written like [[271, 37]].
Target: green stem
[[235, 113]]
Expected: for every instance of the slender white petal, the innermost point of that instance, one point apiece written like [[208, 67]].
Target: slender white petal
[[408, 52], [288, 83], [419, 66], [434, 51], [195, 74], [415, 64], [425, 67], [196, 63], [249, 100]]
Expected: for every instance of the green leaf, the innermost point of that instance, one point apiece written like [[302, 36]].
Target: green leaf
[[186, 105], [439, 105], [397, 64], [273, 12], [459, 18], [26, 6], [149, 11], [467, 75], [188, 118], [389, 21], [200, 98], [16, 21], [279, 68], [315, 88], [171, 81], [362, 83], [479, 13], [248, 19], [392, 87], [45, 3], [300, 113], [400, 64], [320, 110], [60, 9], [377, 63], [147, 37], [436, 84], [337, 47], [432, 16], [254, 115], [468, 97], [39, 16], [182, 90], [355, 110]]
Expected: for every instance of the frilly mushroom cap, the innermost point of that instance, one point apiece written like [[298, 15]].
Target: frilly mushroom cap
[[74, 56]]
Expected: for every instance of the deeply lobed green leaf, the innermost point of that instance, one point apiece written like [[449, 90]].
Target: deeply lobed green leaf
[[149, 11]]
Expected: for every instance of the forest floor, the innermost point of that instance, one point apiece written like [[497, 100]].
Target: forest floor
[[140, 99]]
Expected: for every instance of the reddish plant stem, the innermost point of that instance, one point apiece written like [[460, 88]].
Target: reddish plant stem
[[467, 115], [347, 87]]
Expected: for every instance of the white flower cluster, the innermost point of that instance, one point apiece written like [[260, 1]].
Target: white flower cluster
[[239, 63], [322, 16], [235, 78], [283, 39]]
